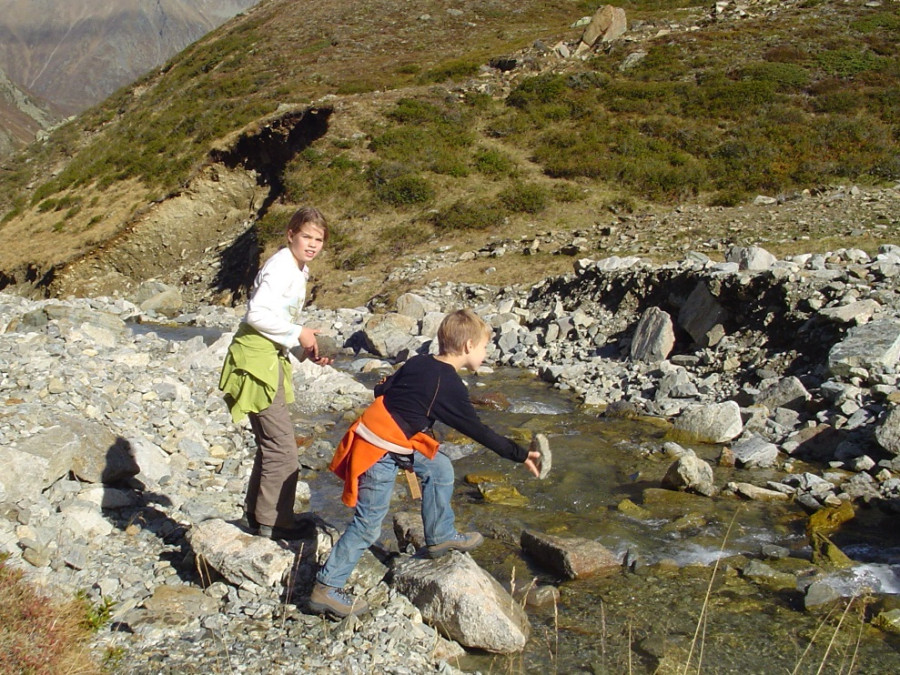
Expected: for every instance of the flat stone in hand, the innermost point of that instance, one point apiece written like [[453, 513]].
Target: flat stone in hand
[[540, 443]]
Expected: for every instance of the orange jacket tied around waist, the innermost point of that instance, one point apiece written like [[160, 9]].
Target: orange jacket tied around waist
[[355, 455]]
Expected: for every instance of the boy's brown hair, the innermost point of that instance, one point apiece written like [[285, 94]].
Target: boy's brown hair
[[308, 214], [459, 327]]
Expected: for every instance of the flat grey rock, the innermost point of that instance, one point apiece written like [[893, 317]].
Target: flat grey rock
[[540, 443]]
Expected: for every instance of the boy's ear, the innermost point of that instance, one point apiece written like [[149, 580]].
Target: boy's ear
[[469, 346]]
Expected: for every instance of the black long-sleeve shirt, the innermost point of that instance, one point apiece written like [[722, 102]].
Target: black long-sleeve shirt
[[426, 390]]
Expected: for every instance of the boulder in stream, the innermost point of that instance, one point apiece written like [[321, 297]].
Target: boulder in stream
[[691, 473], [712, 423], [569, 557], [755, 452]]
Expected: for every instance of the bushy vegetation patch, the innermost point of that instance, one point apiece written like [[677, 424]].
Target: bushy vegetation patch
[[40, 636], [525, 197], [481, 214], [679, 123]]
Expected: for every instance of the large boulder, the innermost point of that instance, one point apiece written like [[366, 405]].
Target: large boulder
[[463, 601], [244, 560], [654, 336], [569, 557], [755, 452], [888, 432], [415, 306], [703, 317], [752, 258], [872, 345], [66, 444], [787, 392], [607, 24], [391, 335], [713, 423], [690, 473]]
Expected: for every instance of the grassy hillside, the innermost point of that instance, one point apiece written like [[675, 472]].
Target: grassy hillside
[[429, 144]]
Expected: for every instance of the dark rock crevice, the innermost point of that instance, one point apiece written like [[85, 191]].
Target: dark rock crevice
[[266, 152]]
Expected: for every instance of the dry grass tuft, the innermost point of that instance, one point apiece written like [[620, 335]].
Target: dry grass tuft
[[40, 636]]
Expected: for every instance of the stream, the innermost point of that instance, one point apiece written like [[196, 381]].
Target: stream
[[645, 620], [687, 602]]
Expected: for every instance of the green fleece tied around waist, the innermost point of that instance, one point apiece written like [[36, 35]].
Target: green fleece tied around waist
[[250, 373]]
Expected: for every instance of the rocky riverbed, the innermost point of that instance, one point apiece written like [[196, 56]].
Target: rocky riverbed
[[123, 475]]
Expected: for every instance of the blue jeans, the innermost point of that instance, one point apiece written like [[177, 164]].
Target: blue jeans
[[375, 489]]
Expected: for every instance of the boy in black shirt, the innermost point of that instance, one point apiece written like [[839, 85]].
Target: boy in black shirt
[[391, 432]]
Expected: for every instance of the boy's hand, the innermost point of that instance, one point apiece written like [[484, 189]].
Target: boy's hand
[[533, 463]]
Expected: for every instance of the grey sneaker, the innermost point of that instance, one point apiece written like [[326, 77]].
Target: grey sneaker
[[461, 541], [335, 602]]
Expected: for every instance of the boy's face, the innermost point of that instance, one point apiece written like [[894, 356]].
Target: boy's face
[[306, 243], [476, 353]]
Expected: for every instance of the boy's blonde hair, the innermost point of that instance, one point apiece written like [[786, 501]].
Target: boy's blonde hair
[[459, 327], [308, 214]]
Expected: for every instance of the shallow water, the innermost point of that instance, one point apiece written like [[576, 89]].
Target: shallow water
[[644, 621]]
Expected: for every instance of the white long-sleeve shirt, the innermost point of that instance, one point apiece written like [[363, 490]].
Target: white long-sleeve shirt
[[276, 299]]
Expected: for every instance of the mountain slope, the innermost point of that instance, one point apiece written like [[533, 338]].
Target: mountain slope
[[21, 117], [451, 124], [74, 54]]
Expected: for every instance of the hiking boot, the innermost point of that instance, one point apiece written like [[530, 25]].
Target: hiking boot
[[299, 530], [335, 602], [461, 541]]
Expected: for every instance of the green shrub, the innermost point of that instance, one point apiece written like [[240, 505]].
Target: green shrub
[[728, 197], [494, 163], [785, 54], [719, 96], [428, 137], [784, 76], [848, 61], [415, 111], [662, 177], [646, 98], [452, 70], [271, 227], [570, 153], [539, 89], [566, 192], [663, 62], [404, 190], [879, 21], [310, 178], [14, 212], [480, 215], [525, 198], [841, 102]]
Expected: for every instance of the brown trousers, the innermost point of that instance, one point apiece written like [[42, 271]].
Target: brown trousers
[[273, 481]]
